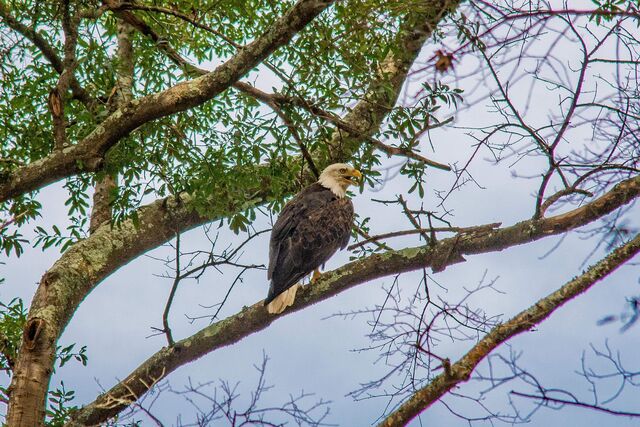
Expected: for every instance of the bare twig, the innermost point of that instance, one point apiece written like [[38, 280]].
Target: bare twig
[[547, 399], [172, 294], [474, 229], [562, 193]]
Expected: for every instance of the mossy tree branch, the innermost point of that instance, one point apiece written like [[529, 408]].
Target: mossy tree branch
[[461, 370], [105, 187]]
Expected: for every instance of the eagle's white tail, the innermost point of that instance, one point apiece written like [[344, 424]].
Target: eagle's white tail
[[283, 300]]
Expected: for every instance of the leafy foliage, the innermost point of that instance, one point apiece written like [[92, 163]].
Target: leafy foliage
[[607, 9], [212, 147], [59, 409], [13, 316], [65, 354]]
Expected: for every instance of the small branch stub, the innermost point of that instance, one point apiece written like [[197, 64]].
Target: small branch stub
[[446, 365]]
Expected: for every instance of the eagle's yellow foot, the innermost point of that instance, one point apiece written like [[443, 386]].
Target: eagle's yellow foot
[[316, 275], [283, 300]]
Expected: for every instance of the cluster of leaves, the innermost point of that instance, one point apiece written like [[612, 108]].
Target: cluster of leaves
[[361, 224], [53, 239], [408, 125], [607, 9], [19, 212], [59, 408], [65, 354], [13, 316], [469, 32], [216, 146]]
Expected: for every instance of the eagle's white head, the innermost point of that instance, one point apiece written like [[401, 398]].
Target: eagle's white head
[[338, 176]]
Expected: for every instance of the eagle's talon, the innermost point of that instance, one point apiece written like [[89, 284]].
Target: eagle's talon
[[316, 276]]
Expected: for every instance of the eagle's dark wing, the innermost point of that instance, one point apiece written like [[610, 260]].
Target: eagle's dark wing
[[310, 229], [296, 209]]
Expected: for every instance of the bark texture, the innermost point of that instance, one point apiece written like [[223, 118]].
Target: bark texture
[[103, 195]]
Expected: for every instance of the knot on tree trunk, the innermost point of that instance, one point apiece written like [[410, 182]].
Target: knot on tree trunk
[[31, 332]]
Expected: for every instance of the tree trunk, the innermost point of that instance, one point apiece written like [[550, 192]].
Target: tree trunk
[[31, 374]]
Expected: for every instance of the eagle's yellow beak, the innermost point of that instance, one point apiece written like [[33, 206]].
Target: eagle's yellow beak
[[356, 174]]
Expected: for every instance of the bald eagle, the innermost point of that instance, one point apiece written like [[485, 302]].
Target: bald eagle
[[310, 229]]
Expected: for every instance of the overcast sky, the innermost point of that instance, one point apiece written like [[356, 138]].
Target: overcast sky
[[308, 352]]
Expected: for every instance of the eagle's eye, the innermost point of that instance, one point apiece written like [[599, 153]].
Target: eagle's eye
[[343, 170]]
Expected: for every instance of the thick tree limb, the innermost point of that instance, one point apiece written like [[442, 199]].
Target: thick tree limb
[[68, 282], [274, 100], [384, 92], [522, 322], [70, 24], [255, 318], [105, 187], [87, 155], [191, 69]]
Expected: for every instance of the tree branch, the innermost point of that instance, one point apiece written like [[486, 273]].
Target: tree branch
[[172, 294], [356, 133], [87, 155], [545, 400], [466, 230], [275, 100], [122, 93], [177, 14], [255, 318], [522, 322]]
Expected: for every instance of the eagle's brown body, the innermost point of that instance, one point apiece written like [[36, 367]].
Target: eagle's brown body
[[310, 229]]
